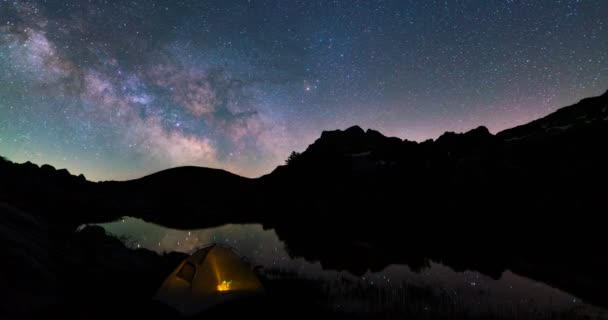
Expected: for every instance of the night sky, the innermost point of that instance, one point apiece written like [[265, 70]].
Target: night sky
[[120, 89]]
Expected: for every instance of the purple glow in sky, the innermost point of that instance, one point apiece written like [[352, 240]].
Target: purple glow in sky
[[122, 89]]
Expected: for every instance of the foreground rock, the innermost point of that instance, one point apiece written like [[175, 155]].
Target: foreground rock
[[84, 274]]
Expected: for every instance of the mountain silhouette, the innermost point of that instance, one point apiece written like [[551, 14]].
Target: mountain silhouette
[[563, 147], [533, 194]]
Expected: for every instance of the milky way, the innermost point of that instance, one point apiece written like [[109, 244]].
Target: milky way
[[119, 89]]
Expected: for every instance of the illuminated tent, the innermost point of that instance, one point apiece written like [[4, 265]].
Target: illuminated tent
[[210, 276]]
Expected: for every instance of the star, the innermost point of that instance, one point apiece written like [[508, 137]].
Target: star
[[142, 86]]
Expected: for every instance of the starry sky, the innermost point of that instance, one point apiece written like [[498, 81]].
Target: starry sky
[[120, 89]]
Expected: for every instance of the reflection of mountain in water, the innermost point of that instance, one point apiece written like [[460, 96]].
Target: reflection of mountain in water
[[262, 247]]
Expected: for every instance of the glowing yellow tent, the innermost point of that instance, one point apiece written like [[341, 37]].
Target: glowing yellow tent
[[210, 276]]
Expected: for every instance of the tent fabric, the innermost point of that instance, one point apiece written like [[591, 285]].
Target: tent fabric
[[210, 276]]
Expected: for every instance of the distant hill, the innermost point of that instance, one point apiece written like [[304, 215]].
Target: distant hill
[[68, 200]]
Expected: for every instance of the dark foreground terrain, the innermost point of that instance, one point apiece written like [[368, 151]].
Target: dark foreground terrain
[[530, 199], [89, 274]]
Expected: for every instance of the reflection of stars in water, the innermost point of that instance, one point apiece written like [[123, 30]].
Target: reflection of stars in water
[[262, 247]]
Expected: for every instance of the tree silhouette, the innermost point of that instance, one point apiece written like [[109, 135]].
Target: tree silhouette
[[293, 158]]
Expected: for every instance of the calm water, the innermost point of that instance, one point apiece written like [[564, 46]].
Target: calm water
[[263, 247]]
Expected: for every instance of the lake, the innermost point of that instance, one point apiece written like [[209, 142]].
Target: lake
[[511, 294]]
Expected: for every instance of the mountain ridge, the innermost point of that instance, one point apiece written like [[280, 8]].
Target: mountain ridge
[[533, 200], [349, 161], [595, 106]]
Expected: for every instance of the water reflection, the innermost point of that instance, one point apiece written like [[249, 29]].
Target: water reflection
[[263, 247]]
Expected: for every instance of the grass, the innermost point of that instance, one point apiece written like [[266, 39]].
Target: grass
[[344, 297]]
